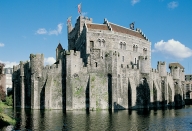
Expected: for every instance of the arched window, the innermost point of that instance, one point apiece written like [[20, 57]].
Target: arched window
[[103, 41], [121, 45], [135, 61], [122, 58], [144, 51], [99, 40], [124, 46], [135, 48]]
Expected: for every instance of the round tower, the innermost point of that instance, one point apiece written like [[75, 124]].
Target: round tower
[[144, 65], [37, 64], [175, 69]]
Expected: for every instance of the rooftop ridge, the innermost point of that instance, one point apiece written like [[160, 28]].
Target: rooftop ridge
[[123, 27], [96, 24]]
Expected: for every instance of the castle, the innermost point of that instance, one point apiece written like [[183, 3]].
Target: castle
[[106, 66]]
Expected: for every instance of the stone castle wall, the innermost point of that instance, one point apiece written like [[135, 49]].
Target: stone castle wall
[[103, 69]]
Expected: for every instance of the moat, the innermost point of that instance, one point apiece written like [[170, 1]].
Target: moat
[[57, 120]]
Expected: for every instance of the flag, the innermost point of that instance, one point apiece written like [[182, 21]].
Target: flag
[[69, 20], [79, 8]]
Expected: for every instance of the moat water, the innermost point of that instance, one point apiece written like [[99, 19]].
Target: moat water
[[103, 120]]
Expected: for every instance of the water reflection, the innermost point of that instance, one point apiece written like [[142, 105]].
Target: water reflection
[[53, 120]]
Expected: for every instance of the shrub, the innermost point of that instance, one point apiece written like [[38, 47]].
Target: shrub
[[2, 94], [9, 100]]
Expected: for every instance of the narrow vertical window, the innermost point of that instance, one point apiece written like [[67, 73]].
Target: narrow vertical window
[[136, 48], [122, 58], [91, 45], [135, 61], [95, 64], [99, 42]]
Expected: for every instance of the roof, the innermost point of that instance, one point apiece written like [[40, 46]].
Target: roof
[[175, 65], [120, 29], [59, 47], [115, 28], [97, 26]]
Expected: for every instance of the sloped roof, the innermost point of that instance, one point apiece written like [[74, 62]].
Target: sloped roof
[[97, 26], [59, 47], [120, 29], [176, 65], [115, 28]]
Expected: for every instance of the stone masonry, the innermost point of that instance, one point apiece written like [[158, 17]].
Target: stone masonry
[[106, 66]]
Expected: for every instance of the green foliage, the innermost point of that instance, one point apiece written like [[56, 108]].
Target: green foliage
[[79, 91], [9, 101], [2, 94], [2, 106], [6, 120]]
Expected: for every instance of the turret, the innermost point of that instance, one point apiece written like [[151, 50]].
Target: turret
[[143, 64], [37, 64], [58, 51], [175, 69], [161, 66], [73, 34]]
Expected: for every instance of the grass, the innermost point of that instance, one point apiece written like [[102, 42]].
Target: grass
[[5, 120]]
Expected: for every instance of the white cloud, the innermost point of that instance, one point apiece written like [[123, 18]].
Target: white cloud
[[133, 2], [173, 4], [57, 31], [9, 64], [173, 48], [49, 61], [41, 31], [1, 44]]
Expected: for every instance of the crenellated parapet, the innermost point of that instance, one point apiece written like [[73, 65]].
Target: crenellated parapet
[[139, 30]]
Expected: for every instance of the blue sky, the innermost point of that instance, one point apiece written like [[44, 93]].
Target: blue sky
[[37, 26]]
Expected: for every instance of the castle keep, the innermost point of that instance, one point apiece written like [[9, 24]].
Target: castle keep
[[106, 66]]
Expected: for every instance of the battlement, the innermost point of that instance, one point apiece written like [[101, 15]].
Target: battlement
[[108, 25], [139, 30], [84, 19], [36, 56], [72, 52], [161, 63], [154, 70]]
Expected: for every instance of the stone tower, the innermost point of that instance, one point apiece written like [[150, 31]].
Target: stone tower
[[37, 64]]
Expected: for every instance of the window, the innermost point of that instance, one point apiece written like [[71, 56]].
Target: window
[[144, 51], [124, 46], [99, 40], [95, 64], [187, 87], [91, 44], [135, 48], [122, 58], [135, 61], [121, 45]]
